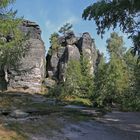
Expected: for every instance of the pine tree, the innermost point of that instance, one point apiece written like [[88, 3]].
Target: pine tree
[[54, 43], [87, 83], [73, 79], [11, 38], [100, 81], [117, 68], [131, 99], [65, 28], [112, 80], [79, 83]]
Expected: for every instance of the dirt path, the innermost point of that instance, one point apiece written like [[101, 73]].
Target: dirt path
[[40, 119], [113, 126]]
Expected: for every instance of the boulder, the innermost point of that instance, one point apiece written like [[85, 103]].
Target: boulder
[[19, 114], [49, 83]]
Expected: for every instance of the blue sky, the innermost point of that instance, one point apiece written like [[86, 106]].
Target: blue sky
[[52, 14]]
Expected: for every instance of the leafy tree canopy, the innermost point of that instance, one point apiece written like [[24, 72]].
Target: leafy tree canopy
[[113, 13]]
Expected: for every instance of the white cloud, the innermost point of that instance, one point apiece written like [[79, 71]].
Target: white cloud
[[72, 20], [51, 27], [48, 24]]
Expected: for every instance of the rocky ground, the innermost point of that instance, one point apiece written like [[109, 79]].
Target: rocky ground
[[34, 117]]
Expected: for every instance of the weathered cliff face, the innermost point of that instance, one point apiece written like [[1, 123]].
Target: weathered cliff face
[[72, 49], [29, 74], [31, 71], [88, 50], [58, 60]]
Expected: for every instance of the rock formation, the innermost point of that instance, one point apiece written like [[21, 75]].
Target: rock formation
[[30, 73], [72, 49], [32, 69], [88, 50]]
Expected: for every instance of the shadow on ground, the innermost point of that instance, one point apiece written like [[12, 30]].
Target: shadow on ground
[[34, 117]]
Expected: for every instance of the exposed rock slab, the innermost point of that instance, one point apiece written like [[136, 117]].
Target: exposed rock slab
[[19, 114]]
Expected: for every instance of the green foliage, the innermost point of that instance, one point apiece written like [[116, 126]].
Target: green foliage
[[118, 80], [5, 3], [131, 62], [122, 13], [115, 46], [112, 79], [100, 83], [78, 101], [56, 91], [131, 99], [78, 84], [73, 81], [137, 78], [54, 39], [117, 68], [87, 78], [4, 13], [65, 28], [11, 38], [54, 43]]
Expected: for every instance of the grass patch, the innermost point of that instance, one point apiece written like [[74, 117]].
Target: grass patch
[[11, 133], [9, 101], [46, 126], [74, 115], [77, 101]]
